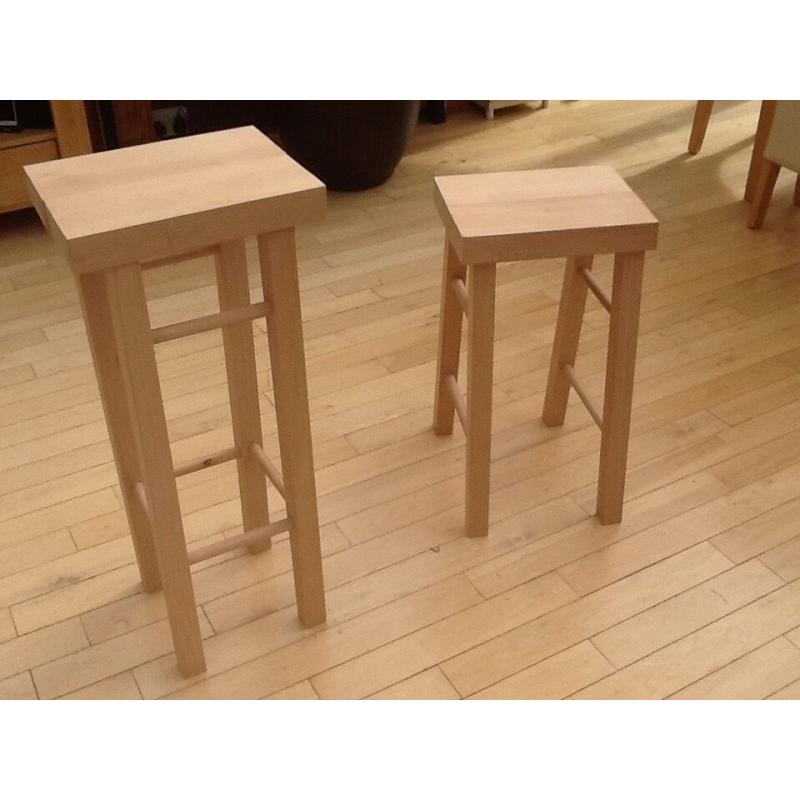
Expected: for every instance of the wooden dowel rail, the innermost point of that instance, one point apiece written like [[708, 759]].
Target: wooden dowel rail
[[207, 461], [272, 471], [460, 291], [234, 542], [596, 289], [581, 392], [458, 399], [201, 324]]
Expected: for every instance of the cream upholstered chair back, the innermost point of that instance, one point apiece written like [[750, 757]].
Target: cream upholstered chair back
[[782, 150], [783, 146]]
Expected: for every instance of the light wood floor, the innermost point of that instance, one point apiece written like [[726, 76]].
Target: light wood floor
[[695, 594]]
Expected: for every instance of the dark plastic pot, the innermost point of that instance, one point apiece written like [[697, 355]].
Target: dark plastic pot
[[349, 144]]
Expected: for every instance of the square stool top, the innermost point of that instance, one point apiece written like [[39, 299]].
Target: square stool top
[[547, 213], [168, 198]]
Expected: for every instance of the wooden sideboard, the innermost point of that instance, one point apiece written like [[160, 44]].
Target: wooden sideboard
[[69, 136]]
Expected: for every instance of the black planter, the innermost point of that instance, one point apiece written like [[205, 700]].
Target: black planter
[[349, 144]]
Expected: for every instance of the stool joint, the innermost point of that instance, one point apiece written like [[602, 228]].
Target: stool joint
[[271, 471], [141, 496], [569, 371], [457, 397], [596, 289], [459, 289]]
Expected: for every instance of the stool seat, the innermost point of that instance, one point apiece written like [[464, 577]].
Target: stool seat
[[548, 213], [142, 203]]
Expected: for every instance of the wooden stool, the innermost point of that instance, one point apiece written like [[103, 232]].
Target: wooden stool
[[516, 216], [119, 212]]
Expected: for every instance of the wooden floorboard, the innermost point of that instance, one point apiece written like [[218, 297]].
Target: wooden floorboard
[[696, 594]]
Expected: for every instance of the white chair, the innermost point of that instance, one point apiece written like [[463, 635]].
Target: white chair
[[782, 150]]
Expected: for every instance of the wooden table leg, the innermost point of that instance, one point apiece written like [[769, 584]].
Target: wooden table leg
[[702, 114], [480, 357], [765, 118], [449, 352], [240, 361], [93, 291], [140, 377], [287, 360], [567, 338], [620, 369], [763, 194]]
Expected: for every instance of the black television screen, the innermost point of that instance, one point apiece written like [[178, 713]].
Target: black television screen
[[8, 114]]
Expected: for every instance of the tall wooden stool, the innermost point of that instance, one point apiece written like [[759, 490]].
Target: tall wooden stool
[[515, 216], [117, 213]]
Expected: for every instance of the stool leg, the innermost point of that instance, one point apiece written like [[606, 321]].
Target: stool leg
[[567, 337], [124, 441], [480, 357], [287, 360], [240, 361], [622, 338], [450, 320], [140, 377]]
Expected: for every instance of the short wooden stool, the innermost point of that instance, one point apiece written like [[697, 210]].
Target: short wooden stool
[[119, 212], [515, 216]]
